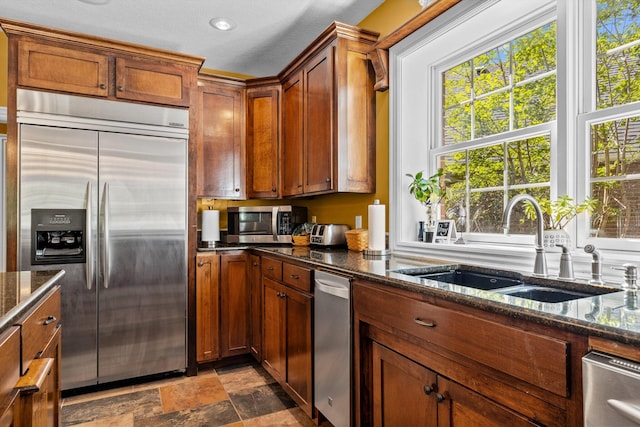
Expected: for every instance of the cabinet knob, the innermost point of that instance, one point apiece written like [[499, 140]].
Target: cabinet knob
[[103, 86], [255, 264], [120, 89], [441, 397], [237, 190], [273, 190], [327, 180], [201, 263], [299, 185], [270, 268], [428, 389]]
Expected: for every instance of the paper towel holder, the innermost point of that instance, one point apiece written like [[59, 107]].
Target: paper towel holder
[[210, 233]]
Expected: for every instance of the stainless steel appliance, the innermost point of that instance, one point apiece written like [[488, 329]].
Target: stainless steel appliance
[[610, 389], [124, 299], [332, 347], [329, 235], [263, 224]]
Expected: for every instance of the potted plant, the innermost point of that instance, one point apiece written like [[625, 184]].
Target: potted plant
[[429, 192], [557, 214]]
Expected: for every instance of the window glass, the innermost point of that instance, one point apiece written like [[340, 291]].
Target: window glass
[[617, 52]]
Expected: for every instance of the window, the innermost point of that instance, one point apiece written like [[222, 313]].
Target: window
[[508, 97]]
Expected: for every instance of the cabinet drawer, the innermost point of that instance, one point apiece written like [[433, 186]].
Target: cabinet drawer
[[272, 268], [39, 326], [9, 361], [537, 359], [296, 277]]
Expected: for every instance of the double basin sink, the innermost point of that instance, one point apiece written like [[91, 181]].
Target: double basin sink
[[511, 284]]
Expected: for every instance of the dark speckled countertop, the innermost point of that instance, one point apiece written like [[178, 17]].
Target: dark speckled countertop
[[21, 290], [605, 315]]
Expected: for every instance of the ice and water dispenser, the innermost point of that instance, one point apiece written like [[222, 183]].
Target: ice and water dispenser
[[57, 236]]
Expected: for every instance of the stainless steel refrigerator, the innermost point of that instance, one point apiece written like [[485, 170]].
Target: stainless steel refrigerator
[[124, 166]]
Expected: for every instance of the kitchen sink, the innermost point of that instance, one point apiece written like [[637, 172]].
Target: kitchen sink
[[464, 277], [546, 293], [511, 284]]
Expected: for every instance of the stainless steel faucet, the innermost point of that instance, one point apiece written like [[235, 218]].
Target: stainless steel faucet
[[596, 265], [540, 263]]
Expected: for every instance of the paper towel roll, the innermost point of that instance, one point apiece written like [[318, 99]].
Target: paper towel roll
[[377, 226], [210, 225]]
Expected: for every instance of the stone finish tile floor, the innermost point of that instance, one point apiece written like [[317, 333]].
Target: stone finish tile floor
[[234, 396]]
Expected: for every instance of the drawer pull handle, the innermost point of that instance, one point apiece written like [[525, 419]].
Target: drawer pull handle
[[270, 268], [421, 322], [295, 276], [49, 320]]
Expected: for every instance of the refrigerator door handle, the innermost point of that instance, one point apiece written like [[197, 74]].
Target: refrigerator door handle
[[87, 239], [106, 256]]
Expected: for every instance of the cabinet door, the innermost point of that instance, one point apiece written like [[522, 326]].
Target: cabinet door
[[220, 150], [149, 81], [299, 344], [256, 307], [235, 302], [262, 143], [319, 124], [62, 69], [292, 136], [54, 386], [403, 391], [273, 329], [463, 407], [207, 307]]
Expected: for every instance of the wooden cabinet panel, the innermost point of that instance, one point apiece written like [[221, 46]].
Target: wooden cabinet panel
[[299, 344], [255, 277], [220, 142], [263, 130], [38, 326], [9, 361], [318, 124], [402, 391], [63, 69], [207, 307], [272, 268], [53, 351], [273, 328], [235, 304], [151, 81], [296, 276], [292, 136]]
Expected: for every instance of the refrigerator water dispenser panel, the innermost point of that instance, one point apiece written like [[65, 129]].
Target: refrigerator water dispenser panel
[[58, 236]]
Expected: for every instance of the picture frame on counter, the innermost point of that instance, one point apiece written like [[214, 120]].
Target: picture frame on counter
[[445, 231]]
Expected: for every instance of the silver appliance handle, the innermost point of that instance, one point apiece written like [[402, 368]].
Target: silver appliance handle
[[334, 289], [629, 411], [106, 255], [87, 239], [274, 222]]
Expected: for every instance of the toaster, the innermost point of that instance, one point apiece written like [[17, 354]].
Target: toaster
[[328, 235]]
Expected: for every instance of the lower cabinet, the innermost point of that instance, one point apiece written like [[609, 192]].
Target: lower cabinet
[[453, 365], [222, 305], [287, 350]]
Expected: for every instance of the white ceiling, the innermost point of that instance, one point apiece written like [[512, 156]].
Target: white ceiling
[[269, 33]]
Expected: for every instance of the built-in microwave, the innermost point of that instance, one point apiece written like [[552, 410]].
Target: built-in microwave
[[263, 224]]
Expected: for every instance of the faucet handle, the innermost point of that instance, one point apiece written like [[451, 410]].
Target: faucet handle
[[630, 275]]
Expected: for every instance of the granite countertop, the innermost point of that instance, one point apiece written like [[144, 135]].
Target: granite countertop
[[605, 316], [21, 290]]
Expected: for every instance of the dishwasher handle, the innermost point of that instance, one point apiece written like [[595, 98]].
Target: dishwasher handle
[[630, 412], [334, 289]]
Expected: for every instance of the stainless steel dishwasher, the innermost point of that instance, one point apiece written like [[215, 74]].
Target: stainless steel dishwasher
[[332, 347], [611, 389]]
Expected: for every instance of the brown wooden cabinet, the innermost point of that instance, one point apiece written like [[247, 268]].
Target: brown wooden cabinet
[[287, 338], [222, 305], [9, 374], [220, 138], [329, 116], [263, 135], [255, 277], [480, 368], [88, 69]]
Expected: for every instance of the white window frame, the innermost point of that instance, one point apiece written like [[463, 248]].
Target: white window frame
[[412, 80]]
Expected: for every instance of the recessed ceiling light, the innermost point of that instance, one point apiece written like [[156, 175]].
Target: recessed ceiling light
[[95, 2], [222, 24]]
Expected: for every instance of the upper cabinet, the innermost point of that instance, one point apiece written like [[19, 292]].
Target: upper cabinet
[[220, 138], [83, 65], [263, 134], [328, 116]]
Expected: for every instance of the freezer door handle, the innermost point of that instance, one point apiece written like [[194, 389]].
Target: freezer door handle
[[106, 255], [87, 239]]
